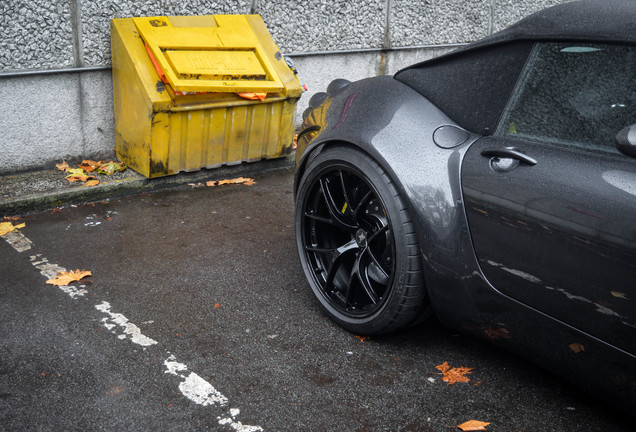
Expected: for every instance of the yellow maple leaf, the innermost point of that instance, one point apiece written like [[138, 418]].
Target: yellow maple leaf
[[473, 425], [453, 375], [64, 278], [7, 227]]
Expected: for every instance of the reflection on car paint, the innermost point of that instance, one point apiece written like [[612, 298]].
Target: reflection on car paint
[[623, 180]]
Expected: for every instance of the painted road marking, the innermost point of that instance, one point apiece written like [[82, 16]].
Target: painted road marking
[[50, 271], [192, 386], [18, 241], [131, 331]]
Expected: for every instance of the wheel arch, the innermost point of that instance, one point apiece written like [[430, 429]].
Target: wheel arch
[[395, 126]]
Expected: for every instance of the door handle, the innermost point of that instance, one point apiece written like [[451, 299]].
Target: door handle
[[509, 153]]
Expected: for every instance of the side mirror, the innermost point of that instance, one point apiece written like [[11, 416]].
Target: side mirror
[[626, 141]]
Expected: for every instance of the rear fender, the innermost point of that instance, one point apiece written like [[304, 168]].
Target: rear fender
[[395, 126]]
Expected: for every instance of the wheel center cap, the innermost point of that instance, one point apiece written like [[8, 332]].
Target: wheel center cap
[[361, 238]]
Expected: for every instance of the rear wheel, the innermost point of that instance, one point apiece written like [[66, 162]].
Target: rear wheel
[[356, 243]]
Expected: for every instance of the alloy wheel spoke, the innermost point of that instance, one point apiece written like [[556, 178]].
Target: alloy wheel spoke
[[336, 261], [319, 249], [334, 211], [322, 219], [373, 236], [377, 262], [365, 199], [347, 195], [359, 272]]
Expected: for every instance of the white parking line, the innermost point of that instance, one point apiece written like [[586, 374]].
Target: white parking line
[[192, 386], [131, 331], [18, 241]]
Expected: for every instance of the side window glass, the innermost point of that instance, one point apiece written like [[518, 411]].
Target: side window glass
[[575, 95]]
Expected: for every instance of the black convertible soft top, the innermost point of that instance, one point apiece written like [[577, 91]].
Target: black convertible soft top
[[597, 20], [472, 84], [589, 20]]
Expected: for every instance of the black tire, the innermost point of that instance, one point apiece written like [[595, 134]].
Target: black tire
[[357, 244]]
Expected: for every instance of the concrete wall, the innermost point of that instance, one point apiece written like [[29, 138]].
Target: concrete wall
[[55, 79]]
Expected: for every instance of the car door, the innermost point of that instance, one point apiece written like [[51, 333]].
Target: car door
[[551, 202]]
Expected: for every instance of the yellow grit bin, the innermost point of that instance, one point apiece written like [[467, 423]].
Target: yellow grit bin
[[199, 92]]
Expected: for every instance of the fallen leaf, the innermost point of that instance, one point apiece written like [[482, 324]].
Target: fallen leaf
[[90, 183], [111, 167], [453, 375], [496, 333], [63, 166], [577, 347], [210, 183], [619, 295], [89, 165], [114, 391], [242, 180], [362, 338], [473, 425], [238, 180], [7, 227], [79, 177], [216, 306], [65, 278]]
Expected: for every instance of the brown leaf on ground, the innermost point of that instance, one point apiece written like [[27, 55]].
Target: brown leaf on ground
[[89, 165], [576, 347], [496, 333], [64, 278], [63, 166], [239, 180], [362, 338], [90, 183], [473, 425], [217, 305], [79, 177], [453, 375], [7, 227]]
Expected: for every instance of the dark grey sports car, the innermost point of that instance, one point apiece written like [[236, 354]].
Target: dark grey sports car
[[494, 187]]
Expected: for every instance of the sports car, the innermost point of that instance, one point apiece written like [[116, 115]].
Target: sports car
[[494, 187]]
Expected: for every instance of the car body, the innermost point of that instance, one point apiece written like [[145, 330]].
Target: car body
[[495, 187]]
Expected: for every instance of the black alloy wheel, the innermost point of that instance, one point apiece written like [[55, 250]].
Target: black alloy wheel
[[357, 244]]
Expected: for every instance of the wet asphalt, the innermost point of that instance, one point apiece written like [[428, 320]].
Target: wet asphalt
[[197, 317]]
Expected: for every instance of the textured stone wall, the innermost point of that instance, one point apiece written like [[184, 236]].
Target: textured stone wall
[[50, 116], [53, 34]]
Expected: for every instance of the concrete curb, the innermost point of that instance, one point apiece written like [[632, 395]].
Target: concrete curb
[[46, 189]]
